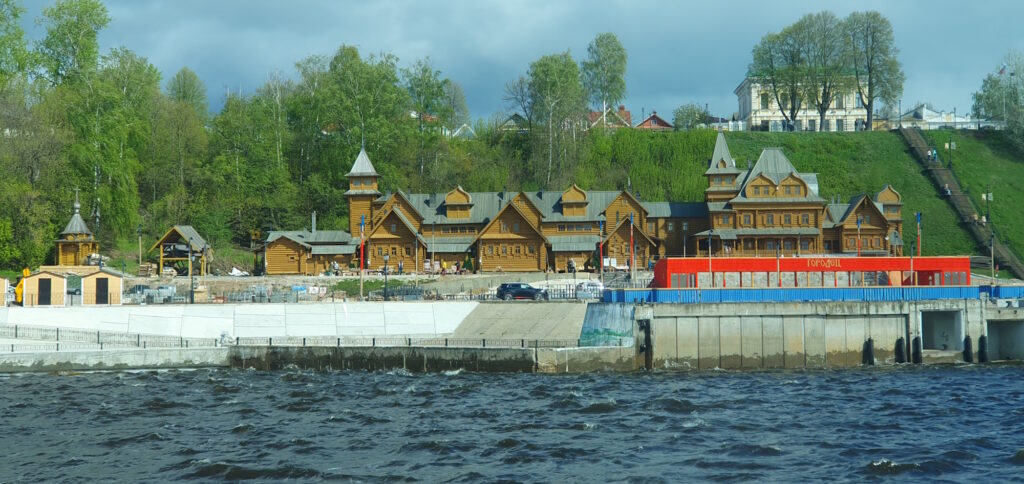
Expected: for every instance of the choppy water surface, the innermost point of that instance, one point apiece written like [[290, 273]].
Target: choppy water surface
[[950, 423]]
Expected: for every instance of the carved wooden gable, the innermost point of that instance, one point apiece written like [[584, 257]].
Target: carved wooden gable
[[792, 187], [400, 203], [532, 214], [574, 202], [868, 214], [889, 196], [458, 203], [622, 206], [761, 187]]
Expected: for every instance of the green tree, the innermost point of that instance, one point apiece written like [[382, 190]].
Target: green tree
[[14, 54], [778, 66], [309, 119], [35, 198], [369, 103], [555, 88], [426, 91], [604, 71], [517, 96], [255, 189], [71, 47], [456, 111], [186, 87], [1002, 96], [873, 53], [116, 132], [826, 74], [690, 116]]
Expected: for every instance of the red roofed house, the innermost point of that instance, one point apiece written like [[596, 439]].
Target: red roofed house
[[655, 123], [611, 118]]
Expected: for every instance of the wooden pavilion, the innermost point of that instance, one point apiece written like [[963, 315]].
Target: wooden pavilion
[[177, 245]]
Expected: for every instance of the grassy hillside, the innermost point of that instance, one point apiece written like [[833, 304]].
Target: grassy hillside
[[851, 163], [983, 161]]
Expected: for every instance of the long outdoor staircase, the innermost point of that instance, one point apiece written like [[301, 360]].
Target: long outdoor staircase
[[943, 177]]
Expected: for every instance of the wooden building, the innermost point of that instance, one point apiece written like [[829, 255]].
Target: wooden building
[[76, 242], [44, 288], [772, 209], [307, 252], [510, 231], [764, 210], [177, 244], [103, 287]]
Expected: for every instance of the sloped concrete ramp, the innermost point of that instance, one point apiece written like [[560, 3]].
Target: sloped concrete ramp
[[524, 320]]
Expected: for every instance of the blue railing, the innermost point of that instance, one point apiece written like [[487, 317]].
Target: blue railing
[[803, 294], [1008, 292]]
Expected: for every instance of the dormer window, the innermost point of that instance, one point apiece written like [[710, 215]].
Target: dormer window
[[757, 191]]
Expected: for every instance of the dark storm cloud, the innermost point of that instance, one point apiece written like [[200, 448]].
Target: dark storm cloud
[[678, 52]]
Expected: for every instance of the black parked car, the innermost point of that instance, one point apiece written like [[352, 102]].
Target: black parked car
[[520, 290]]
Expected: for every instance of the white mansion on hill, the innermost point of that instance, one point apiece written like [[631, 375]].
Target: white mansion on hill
[[759, 111]]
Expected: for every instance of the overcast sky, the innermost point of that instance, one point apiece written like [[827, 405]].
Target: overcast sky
[[679, 52]]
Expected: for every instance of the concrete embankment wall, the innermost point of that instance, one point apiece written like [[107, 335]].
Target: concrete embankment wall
[[114, 360], [255, 320], [805, 335], [542, 360], [488, 320], [371, 359]]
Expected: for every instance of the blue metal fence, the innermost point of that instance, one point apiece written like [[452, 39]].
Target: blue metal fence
[[1007, 292], [801, 294]]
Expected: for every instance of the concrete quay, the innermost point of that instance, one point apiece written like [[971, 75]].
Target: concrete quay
[[826, 334], [119, 359], [326, 358], [548, 337], [338, 335]]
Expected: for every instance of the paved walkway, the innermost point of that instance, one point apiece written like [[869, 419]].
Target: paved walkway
[[524, 320]]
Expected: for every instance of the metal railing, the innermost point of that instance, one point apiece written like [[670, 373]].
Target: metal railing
[[390, 342], [66, 339]]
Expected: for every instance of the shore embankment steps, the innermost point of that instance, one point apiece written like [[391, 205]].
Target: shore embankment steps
[[948, 186]]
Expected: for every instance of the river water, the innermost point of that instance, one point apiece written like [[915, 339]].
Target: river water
[[917, 422]]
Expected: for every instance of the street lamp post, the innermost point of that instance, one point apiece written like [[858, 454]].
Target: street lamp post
[[191, 280], [138, 230], [917, 215], [992, 256], [710, 273], [600, 250], [385, 277]]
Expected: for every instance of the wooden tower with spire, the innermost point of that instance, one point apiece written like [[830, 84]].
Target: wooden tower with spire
[[362, 191], [76, 242]]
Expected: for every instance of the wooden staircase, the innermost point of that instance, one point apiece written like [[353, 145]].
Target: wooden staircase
[[946, 183]]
